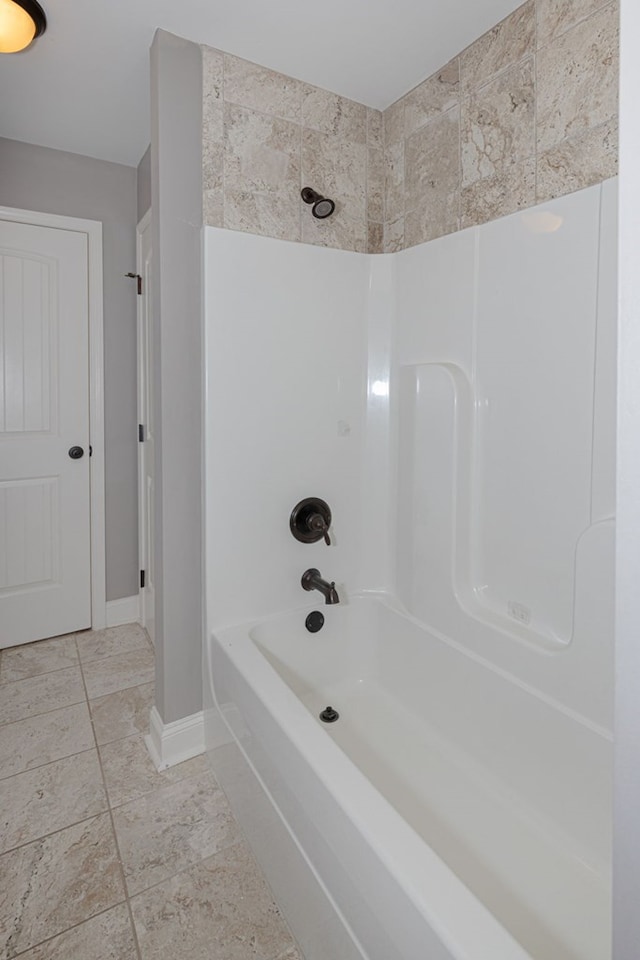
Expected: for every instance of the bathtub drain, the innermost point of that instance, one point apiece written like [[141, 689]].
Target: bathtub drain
[[329, 715], [314, 622]]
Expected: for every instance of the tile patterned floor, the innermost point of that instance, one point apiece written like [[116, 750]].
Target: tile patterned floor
[[101, 857]]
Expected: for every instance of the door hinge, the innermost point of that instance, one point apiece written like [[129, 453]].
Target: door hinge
[[136, 276], [142, 579], [140, 433]]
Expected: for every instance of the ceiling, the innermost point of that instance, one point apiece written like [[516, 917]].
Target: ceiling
[[84, 86]]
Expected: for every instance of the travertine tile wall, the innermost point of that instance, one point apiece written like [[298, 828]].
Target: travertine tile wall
[[526, 113], [266, 135]]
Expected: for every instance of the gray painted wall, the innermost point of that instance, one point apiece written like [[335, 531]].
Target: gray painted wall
[[626, 866], [144, 184], [176, 185], [52, 181]]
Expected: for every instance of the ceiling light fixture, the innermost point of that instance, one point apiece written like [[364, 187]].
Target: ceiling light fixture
[[21, 21]]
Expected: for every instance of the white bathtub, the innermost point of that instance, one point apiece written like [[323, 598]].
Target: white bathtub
[[449, 813]]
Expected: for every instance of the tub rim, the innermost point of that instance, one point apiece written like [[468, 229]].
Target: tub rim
[[448, 896]]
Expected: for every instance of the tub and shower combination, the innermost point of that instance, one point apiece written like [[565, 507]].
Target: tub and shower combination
[[458, 416]]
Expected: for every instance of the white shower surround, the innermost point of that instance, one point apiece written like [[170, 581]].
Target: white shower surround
[[392, 361]]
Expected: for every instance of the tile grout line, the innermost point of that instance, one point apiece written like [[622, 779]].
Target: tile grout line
[[237, 841], [572, 138], [45, 713], [37, 676], [125, 889], [536, 152], [168, 783], [76, 666], [74, 926], [110, 810], [196, 863], [107, 810], [101, 696], [499, 74], [460, 173], [65, 636], [46, 836], [240, 837], [550, 39], [223, 164], [49, 763], [302, 170], [240, 841]]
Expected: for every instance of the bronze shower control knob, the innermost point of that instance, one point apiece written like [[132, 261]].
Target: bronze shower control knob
[[310, 520]]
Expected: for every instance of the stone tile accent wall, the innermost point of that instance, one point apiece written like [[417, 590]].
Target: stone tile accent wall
[[526, 113], [266, 135]]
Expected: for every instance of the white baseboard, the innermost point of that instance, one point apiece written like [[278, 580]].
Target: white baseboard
[[125, 610], [171, 743]]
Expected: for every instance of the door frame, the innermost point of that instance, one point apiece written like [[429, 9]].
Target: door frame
[[143, 224], [93, 231]]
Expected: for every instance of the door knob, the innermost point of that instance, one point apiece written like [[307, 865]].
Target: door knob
[[76, 453]]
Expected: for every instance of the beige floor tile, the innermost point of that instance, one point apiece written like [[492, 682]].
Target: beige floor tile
[[130, 773], [171, 828], [199, 894], [55, 883], [30, 743], [106, 937], [37, 695], [119, 672], [52, 797], [122, 714], [219, 908], [33, 659], [99, 644]]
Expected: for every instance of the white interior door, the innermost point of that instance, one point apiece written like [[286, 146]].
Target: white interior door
[[45, 541], [146, 457]]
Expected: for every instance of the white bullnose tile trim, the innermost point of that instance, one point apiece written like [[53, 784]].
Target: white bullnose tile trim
[[125, 610], [172, 743]]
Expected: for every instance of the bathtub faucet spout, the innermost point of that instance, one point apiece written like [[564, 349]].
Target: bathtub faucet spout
[[312, 580]]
